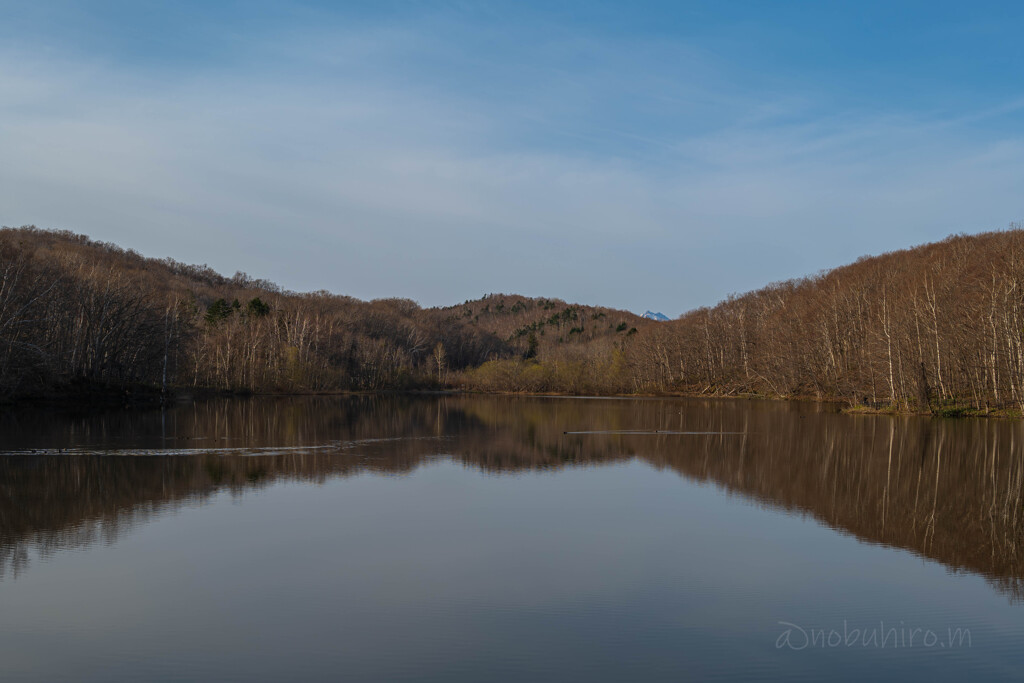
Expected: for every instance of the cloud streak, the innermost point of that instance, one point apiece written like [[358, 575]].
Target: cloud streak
[[397, 161]]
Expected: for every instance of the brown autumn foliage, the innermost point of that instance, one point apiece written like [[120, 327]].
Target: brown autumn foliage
[[939, 327], [78, 312]]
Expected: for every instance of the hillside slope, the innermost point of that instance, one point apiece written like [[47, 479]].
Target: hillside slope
[[534, 326], [939, 326], [74, 310]]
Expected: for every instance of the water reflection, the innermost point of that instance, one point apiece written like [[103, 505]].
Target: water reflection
[[947, 490]]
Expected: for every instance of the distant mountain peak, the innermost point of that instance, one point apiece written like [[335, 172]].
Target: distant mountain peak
[[651, 315]]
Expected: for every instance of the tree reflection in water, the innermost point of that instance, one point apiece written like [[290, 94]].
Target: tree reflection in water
[[948, 490]]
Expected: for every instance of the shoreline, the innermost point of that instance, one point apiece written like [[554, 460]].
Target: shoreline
[[90, 396]]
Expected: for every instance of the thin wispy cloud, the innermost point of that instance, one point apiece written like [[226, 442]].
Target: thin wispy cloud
[[445, 157]]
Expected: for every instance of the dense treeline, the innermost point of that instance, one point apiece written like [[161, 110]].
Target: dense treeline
[[79, 312], [939, 327]]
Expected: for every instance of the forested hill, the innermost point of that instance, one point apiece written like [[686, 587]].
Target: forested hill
[[75, 311], [938, 327], [541, 326]]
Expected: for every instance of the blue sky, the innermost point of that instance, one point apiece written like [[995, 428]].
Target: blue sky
[[638, 155]]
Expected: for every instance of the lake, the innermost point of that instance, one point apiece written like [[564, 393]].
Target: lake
[[479, 538]]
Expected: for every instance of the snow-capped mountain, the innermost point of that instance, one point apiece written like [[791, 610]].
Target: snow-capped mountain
[[651, 315]]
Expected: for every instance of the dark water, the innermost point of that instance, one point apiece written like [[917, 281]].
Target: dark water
[[472, 539]]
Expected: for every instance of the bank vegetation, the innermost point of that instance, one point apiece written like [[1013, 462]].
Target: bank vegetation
[[938, 328]]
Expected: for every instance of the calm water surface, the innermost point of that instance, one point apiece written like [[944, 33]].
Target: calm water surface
[[474, 539]]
